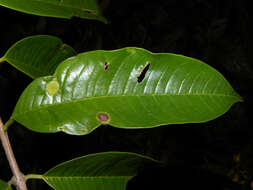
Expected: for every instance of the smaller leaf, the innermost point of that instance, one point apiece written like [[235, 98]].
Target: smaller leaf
[[4, 185], [108, 170], [38, 55]]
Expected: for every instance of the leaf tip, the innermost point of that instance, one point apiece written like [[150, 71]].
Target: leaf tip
[[240, 98]]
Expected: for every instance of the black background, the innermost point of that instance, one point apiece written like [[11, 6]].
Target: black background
[[200, 156]]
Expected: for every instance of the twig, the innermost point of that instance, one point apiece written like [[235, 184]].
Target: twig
[[19, 178]]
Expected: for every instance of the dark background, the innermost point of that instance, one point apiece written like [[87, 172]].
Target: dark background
[[213, 155]]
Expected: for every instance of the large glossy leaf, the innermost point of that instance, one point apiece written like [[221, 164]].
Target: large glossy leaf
[[38, 55], [102, 171], [126, 88], [4, 186], [57, 8]]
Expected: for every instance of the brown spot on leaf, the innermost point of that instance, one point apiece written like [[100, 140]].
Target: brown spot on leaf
[[143, 72], [103, 117]]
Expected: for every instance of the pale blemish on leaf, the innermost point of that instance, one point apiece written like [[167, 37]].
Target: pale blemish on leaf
[[90, 11], [52, 87], [70, 128], [103, 117], [131, 50]]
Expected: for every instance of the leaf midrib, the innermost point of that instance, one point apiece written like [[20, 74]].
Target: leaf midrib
[[128, 95]]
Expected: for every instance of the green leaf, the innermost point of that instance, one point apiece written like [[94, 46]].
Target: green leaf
[[108, 170], [126, 88], [4, 186], [39, 55], [57, 8]]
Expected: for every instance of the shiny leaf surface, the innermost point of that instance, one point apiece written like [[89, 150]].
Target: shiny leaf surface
[[4, 186], [108, 170], [126, 88], [57, 8], [38, 55]]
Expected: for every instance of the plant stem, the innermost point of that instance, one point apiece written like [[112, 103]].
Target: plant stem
[[19, 179]]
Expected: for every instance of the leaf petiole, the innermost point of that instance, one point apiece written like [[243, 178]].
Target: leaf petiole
[[33, 176], [8, 124], [2, 59]]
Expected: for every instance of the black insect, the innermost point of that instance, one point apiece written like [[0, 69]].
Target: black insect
[[142, 74]]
